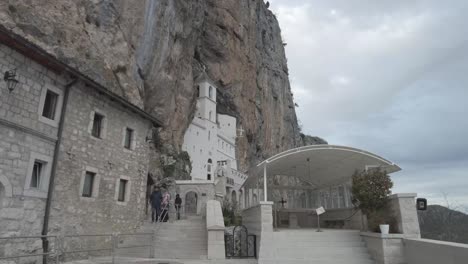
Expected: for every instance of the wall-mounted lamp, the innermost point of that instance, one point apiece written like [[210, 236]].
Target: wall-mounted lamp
[[10, 79]]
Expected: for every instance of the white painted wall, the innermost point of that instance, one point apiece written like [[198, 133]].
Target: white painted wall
[[210, 136]]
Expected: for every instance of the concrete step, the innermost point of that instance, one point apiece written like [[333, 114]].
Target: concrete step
[[180, 255], [182, 246], [182, 239], [318, 261], [308, 244], [333, 254], [199, 229], [327, 247]]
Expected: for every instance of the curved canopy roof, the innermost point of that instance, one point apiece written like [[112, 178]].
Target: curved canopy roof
[[319, 165]]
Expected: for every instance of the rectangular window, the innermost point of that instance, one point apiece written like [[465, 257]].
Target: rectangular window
[[36, 175], [128, 138], [97, 125], [50, 105], [122, 190], [88, 184]]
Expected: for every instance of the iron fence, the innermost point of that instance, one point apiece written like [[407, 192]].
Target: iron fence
[[62, 248], [240, 244]]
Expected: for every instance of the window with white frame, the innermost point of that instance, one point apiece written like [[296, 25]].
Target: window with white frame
[[98, 125], [50, 104], [38, 170], [122, 190], [88, 185], [38, 174], [128, 138]]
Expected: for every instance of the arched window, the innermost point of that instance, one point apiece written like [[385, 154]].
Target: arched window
[[234, 197], [208, 169], [209, 116], [210, 92], [241, 199], [198, 90]]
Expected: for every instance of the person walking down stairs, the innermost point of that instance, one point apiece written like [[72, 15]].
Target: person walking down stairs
[[155, 200], [166, 198], [178, 205]]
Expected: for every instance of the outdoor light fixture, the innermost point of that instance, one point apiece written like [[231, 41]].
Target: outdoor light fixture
[[10, 79]]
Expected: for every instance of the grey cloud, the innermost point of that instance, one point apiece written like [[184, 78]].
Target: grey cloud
[[387, 76]]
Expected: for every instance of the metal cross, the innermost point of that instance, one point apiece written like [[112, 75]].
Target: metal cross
[[241, 131], [282, 202]]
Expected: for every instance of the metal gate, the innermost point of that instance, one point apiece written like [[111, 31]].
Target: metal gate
[[240, 244]]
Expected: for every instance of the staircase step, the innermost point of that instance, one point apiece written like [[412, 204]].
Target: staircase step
[[303, 246], [181, 239], [326, 260]]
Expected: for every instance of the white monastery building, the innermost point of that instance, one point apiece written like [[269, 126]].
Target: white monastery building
[[210, 140]]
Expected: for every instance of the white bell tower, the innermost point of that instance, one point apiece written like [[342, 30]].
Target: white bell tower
[[206, 103]]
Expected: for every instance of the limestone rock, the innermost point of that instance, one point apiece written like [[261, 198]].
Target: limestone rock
[[150, 51], [309, 140]]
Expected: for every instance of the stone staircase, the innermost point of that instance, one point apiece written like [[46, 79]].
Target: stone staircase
[[301, 246], [181, 239]]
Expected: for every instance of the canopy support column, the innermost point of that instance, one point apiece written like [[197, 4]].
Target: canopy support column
[[265, 183]]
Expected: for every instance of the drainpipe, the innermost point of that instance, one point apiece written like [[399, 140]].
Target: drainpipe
[[45, 226]]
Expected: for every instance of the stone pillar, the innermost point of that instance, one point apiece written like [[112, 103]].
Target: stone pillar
[[215, 229], [403, 206], [265, 244]]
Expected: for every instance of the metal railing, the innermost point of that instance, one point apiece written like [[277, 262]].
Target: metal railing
[[61, 249], [54, 253]]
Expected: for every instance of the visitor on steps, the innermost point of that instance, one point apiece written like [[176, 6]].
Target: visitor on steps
[[165, 206], [155, 200], [178, 204]]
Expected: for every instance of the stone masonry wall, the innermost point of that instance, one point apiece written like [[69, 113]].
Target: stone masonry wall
[[80, 151], [24, 136]]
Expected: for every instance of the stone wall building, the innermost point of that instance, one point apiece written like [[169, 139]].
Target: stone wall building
[[102, 167], [95, 181], [27, 143]]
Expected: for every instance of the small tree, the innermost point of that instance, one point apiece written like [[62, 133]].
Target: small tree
[[370, 191], [231, 213]]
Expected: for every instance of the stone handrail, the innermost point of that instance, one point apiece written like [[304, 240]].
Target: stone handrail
[[215, 229]]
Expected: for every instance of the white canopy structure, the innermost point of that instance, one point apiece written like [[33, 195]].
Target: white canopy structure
[[316, 166]]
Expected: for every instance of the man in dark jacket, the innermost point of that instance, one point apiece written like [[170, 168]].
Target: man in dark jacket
[[155, 200], [178, 204]]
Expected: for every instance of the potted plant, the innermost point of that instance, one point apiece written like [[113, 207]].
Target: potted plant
[[370, 191]]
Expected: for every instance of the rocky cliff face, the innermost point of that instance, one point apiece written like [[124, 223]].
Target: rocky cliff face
[[151, 51]]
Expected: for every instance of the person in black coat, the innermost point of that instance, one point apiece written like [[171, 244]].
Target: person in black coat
[[178, 205], [155, 200]]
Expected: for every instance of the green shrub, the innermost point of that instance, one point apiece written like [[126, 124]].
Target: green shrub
[[231, 214], [370, 192]]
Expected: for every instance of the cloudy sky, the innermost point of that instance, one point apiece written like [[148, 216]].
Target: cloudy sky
[[390, 77]]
